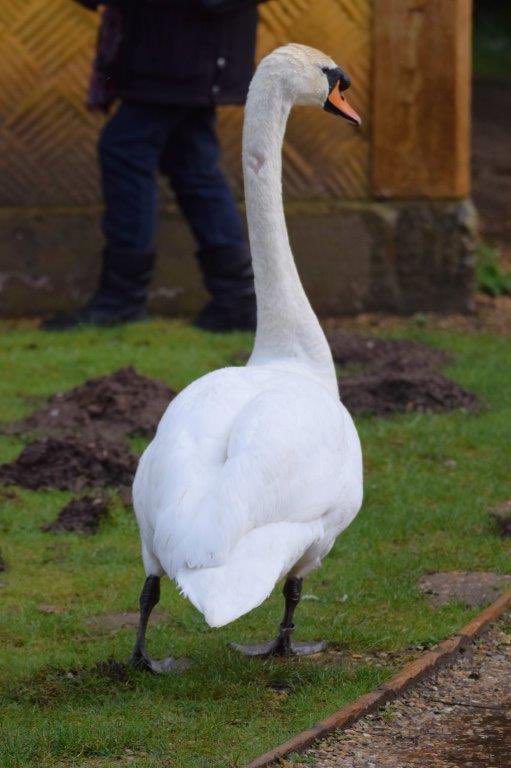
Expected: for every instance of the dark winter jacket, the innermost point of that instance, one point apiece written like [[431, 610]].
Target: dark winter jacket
[[184, 51]]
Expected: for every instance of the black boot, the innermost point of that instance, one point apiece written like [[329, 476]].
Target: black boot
[[229, 278], [120, 298]]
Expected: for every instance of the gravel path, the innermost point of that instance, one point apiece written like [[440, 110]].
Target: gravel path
[[460, 718]]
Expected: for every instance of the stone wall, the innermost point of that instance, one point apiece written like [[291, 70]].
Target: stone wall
[[394, 256]]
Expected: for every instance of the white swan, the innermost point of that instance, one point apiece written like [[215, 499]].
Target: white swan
[[254, 471]]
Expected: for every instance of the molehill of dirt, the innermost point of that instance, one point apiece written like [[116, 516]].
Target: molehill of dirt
[[108, 407], [69, 464], [74, 454], [81, 515], [388, 392], [84, 443], [397, 376], [371, 353]]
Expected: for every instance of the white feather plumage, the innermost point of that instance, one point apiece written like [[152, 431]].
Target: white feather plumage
[[254, 471]]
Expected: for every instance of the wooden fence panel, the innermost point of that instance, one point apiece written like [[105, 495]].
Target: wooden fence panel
[[47, 137]]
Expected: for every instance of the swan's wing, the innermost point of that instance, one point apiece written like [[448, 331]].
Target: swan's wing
[[181, 467], [251, 473], [294, 468], [257, 562], [291, 455]]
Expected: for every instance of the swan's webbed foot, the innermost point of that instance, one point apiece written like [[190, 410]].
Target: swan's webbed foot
[[279, 648], [140, 660], [283, 645], [149, 597]]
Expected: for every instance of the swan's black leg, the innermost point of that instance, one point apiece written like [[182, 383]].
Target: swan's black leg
[[149, 597], [292, 593], [283, 645]]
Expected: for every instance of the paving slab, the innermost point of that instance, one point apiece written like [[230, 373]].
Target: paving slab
[[473, 588]]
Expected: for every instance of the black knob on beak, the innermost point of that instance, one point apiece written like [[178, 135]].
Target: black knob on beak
[[337, 75]]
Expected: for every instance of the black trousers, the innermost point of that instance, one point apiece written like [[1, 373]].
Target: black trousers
[[181, 142]]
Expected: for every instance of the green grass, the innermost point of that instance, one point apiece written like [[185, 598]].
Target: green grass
[[420, 514], [490, 276]]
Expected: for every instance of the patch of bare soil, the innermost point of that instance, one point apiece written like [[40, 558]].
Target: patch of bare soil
[[372, 353], [459, 718], [8, 494], [68, 464], [387, 392], [338, 655], [51, 610], [397, 376], [501, 515], [491, 315], [472, 588], [81, 515], [108, 407], [112, 670], [112, 622]]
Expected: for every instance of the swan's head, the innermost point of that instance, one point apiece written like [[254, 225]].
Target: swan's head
[[311, 78]]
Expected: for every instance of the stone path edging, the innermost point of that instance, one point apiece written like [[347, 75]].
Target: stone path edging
[[410, 674]]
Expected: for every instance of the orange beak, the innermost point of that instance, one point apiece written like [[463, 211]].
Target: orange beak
[[337, 104]]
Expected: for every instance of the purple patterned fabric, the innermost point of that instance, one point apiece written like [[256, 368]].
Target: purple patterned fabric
[[103, 83]]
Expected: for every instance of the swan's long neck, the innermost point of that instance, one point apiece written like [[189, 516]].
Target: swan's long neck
[[287, 327]]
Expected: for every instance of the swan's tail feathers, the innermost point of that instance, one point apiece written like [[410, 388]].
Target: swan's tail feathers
[[255, 565]]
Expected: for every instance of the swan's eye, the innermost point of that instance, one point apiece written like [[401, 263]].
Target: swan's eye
[[337, 75]]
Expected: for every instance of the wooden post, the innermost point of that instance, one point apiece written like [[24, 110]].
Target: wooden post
[[421, 98]]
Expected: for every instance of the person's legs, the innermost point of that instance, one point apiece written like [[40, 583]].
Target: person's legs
[[191, 162], [129, 147]]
